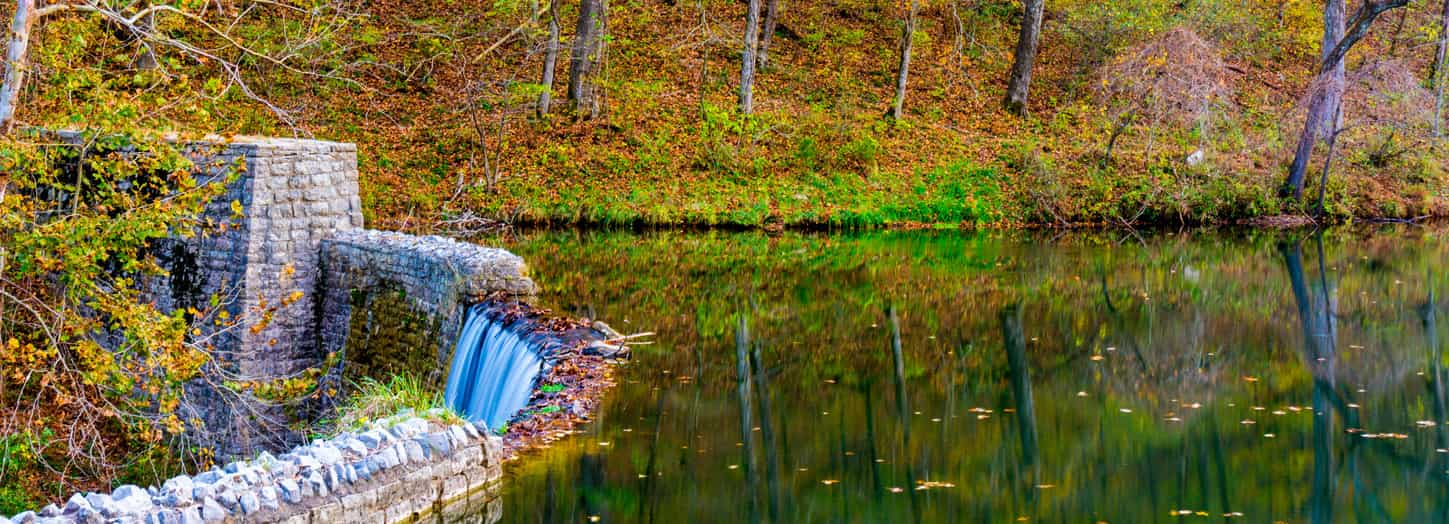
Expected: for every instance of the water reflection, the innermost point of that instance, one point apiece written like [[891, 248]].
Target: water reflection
[[949, 376]]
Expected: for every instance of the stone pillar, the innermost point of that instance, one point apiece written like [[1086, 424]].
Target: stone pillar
[[262, 263], [300, 192]]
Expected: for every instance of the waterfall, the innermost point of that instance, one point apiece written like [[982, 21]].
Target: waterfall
[[492, 372]]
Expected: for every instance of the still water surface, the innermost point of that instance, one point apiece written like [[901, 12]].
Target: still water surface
[[999, 376]]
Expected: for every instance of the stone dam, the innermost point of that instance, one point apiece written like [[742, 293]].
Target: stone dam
[[311, 289]]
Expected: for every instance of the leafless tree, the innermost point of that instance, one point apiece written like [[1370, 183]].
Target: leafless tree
[[747, 60], [1437, 70], [1177, 78], [550, 59], [1327, 94], [587, 57], [772, 19], [903, 69], [1026, 47]]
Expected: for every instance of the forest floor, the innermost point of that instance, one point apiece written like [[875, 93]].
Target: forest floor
[[440, 100], [669, 148]]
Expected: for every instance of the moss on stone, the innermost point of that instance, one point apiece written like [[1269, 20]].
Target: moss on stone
[[388, 336]]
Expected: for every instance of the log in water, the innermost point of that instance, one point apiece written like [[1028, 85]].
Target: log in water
[[493, 370]]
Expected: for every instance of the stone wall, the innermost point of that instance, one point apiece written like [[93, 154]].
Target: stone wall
[[388, 298], [299, 192], [292, 194], [260, 258], [386, 474]]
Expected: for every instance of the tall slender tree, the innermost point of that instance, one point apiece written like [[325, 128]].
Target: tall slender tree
[[1327, 97], [747, 62], [903, 69], [772, 18], [15, 51], [1441, 46], [584, 61], [1026, 47], [550, 59], [1436, 71]]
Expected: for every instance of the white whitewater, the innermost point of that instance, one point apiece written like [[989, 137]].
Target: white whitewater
[[492, 373]]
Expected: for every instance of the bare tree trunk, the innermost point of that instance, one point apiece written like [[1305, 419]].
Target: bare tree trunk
[[1436, 71], [747, 66], [148, 55], [772, 17], [15, 62], [1026, 45], [1323, 107], [903, 71], [585, 59], [550, 59]]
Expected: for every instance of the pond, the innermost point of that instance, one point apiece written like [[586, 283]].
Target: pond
[[954, 376]]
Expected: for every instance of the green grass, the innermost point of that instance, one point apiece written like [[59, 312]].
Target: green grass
[[374, 400]]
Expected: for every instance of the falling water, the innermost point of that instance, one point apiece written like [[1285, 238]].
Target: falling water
[[492, 372]]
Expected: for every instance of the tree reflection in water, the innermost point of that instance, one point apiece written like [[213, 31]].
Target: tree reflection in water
[[988, 376]]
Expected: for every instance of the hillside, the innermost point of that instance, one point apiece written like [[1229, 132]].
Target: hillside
[[439, 96]]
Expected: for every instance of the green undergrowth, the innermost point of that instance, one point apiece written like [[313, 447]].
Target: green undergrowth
[[959, 192], [398, 397]]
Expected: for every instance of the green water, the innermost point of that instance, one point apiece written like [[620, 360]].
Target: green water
[[1082, 377]]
